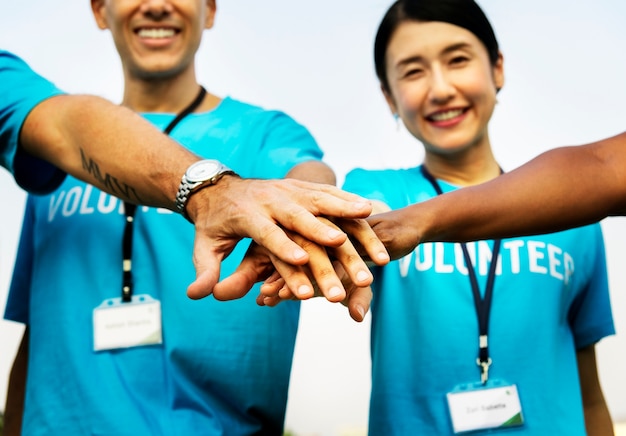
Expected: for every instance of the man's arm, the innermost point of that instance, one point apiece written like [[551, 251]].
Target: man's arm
[[116, 150], [562, 188], [108, 146], [597, 418]]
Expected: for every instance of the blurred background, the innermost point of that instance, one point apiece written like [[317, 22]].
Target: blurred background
[[565, 69]]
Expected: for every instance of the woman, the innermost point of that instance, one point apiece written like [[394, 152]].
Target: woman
[[489, 334]]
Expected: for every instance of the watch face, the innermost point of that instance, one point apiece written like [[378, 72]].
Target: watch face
[[203, 170]]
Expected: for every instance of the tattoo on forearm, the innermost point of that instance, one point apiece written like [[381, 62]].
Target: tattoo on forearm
[[109, 182]]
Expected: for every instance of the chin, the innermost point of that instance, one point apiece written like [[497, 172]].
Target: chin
[[448, 149], [156, 73]]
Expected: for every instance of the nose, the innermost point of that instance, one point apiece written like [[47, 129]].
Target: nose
[[441, 88], [156, 9]]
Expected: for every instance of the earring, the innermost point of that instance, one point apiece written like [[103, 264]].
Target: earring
[[396, 117]]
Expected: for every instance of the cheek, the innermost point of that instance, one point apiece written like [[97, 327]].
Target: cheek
[[479, 87], [410, 97]]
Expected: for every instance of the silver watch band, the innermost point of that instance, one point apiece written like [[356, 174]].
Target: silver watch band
[[186, 189]]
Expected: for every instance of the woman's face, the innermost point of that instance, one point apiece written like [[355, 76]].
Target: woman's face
[[442, 85]]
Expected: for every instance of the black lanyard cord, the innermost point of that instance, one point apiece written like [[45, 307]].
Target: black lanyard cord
[[482, 305], [130, 209]]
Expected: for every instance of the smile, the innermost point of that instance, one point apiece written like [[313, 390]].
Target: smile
[[156, 33], [446, 115]]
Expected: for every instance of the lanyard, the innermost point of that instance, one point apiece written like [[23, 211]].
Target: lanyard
[[130, 209], [482, 305]]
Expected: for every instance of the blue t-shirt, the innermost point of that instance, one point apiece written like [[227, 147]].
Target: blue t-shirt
[[550, 298], [22, 89], [223, 367]]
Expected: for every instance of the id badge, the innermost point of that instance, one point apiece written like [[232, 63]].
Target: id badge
[[474, 406], [124, 325]]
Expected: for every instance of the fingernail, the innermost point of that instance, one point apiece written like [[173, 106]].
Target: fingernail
[[334, 291], [334, 233], [362, 276], [304, 290], [383, 255], [362, 205], [299, 253], [361, 311]]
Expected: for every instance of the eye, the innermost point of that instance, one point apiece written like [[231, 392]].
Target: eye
[[459, 60], [412, 72]]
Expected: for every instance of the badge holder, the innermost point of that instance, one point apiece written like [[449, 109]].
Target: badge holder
[[482, 406], [488, 404], [131, 320], [119, 324]]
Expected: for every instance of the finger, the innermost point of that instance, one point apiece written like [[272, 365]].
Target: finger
[[347, 256], [255, 267], [358, 303], [271, 301], [272, 285], [207, 274], [362, 234], [296, 281], [324, 199], [262, 300], [276, 241], [352, 264], [299, 220], [320, 270]]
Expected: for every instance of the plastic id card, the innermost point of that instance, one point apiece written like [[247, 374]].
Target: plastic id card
[[124, 325], [495, 405]]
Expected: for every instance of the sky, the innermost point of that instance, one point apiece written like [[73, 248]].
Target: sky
[[564, 67]]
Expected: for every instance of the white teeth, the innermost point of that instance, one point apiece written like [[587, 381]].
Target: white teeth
[[447, 115], [156, 33]]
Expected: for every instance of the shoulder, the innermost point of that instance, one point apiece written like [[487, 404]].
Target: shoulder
[[15, 71], [256, 113], [394, 187], [383, 177]]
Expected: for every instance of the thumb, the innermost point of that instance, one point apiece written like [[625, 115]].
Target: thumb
[[207, 276], [207, 260], [254, 267]]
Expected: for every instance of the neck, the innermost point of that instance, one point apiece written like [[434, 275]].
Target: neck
[[476, 165], [164, 95]]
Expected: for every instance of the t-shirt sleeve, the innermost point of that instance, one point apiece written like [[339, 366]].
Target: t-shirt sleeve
[[590, 314], [18, 301], [365, 183], [285, 144], [22, 89]]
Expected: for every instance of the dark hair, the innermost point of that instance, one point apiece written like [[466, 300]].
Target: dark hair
[[463, 13]]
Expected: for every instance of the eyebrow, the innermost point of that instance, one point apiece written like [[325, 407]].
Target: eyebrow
[[418, 59]]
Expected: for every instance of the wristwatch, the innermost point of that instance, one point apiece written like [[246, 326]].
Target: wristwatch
[[199, 175]]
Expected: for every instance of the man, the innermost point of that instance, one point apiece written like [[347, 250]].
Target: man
[[206, 367]]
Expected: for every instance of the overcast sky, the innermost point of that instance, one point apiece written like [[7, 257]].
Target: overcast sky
[[565, 71]]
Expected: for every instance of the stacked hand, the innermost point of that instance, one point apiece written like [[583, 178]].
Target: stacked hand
[[281, 216], [337, 273]]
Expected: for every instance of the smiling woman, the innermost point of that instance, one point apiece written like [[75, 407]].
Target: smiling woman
[[468, 306]]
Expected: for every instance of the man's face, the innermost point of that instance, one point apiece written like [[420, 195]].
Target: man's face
[[155, 38]]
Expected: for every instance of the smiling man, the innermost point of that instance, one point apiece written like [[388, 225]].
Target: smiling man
[[131, 354]]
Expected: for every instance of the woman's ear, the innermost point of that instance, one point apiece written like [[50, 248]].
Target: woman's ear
[[498, 72]]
